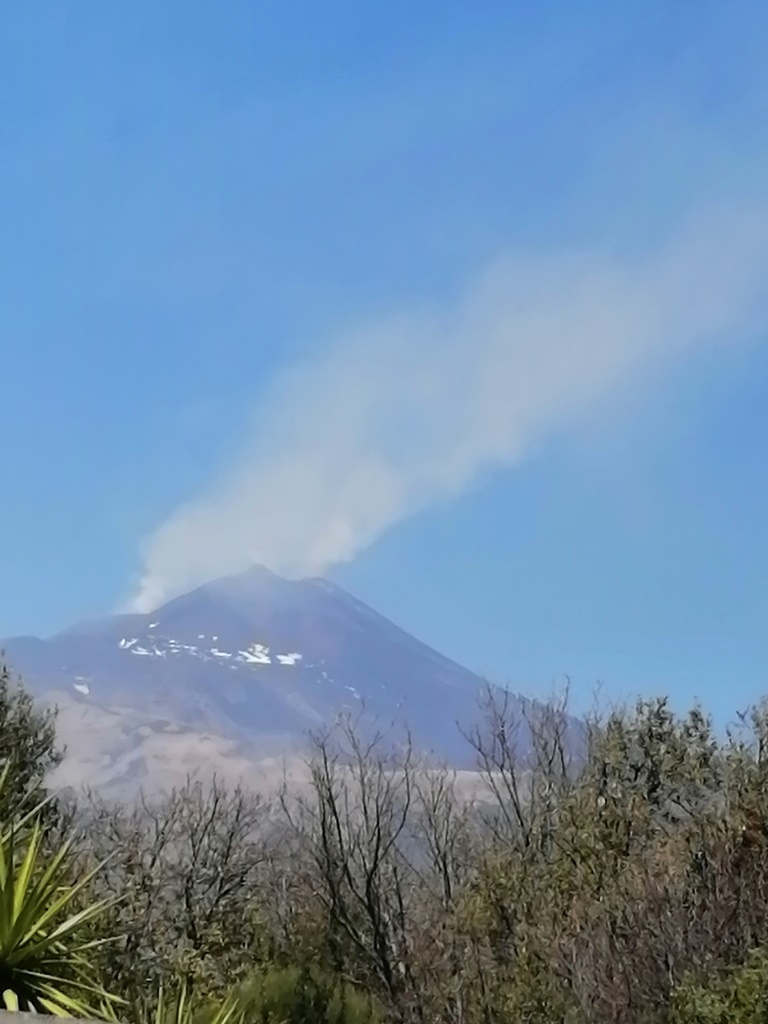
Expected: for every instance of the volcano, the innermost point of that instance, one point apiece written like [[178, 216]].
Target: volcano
[[248, 664]]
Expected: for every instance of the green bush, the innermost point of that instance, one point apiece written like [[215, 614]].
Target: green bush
[[27, 745], [739, 996], [301, 995]]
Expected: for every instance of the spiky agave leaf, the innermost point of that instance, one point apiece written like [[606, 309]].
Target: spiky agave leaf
[[44, 963], [178, 1007]]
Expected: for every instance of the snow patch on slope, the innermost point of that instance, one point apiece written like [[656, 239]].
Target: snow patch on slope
[[255, 654]]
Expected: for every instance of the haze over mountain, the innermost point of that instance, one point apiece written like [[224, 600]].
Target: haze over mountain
[[233, 675]]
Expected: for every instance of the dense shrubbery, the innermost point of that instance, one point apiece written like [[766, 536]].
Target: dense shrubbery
[[295, 995], [28, 737], [630, 884]]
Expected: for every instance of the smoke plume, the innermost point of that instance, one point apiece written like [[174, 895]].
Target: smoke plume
[[415, 409]]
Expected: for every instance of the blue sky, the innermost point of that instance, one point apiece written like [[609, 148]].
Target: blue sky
[[199, 198]]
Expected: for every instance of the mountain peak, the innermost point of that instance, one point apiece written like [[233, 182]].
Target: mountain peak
[[256, 658]]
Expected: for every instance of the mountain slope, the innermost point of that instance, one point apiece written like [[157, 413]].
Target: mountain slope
[[254, 660]]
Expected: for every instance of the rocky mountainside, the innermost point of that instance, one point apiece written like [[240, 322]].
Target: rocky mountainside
[[233, 675]]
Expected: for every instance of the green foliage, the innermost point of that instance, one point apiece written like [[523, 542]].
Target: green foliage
[[44, 961], [302, 995], [630, 886], [176, 1005], [739, 996], [27, 745]]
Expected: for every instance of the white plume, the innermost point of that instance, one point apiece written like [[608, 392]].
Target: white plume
[[412, 411]]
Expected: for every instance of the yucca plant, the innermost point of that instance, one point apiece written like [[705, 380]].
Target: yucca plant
[[176, 1006], [44, 965]]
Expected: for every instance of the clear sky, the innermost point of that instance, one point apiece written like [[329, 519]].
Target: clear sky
[[197, 198]]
